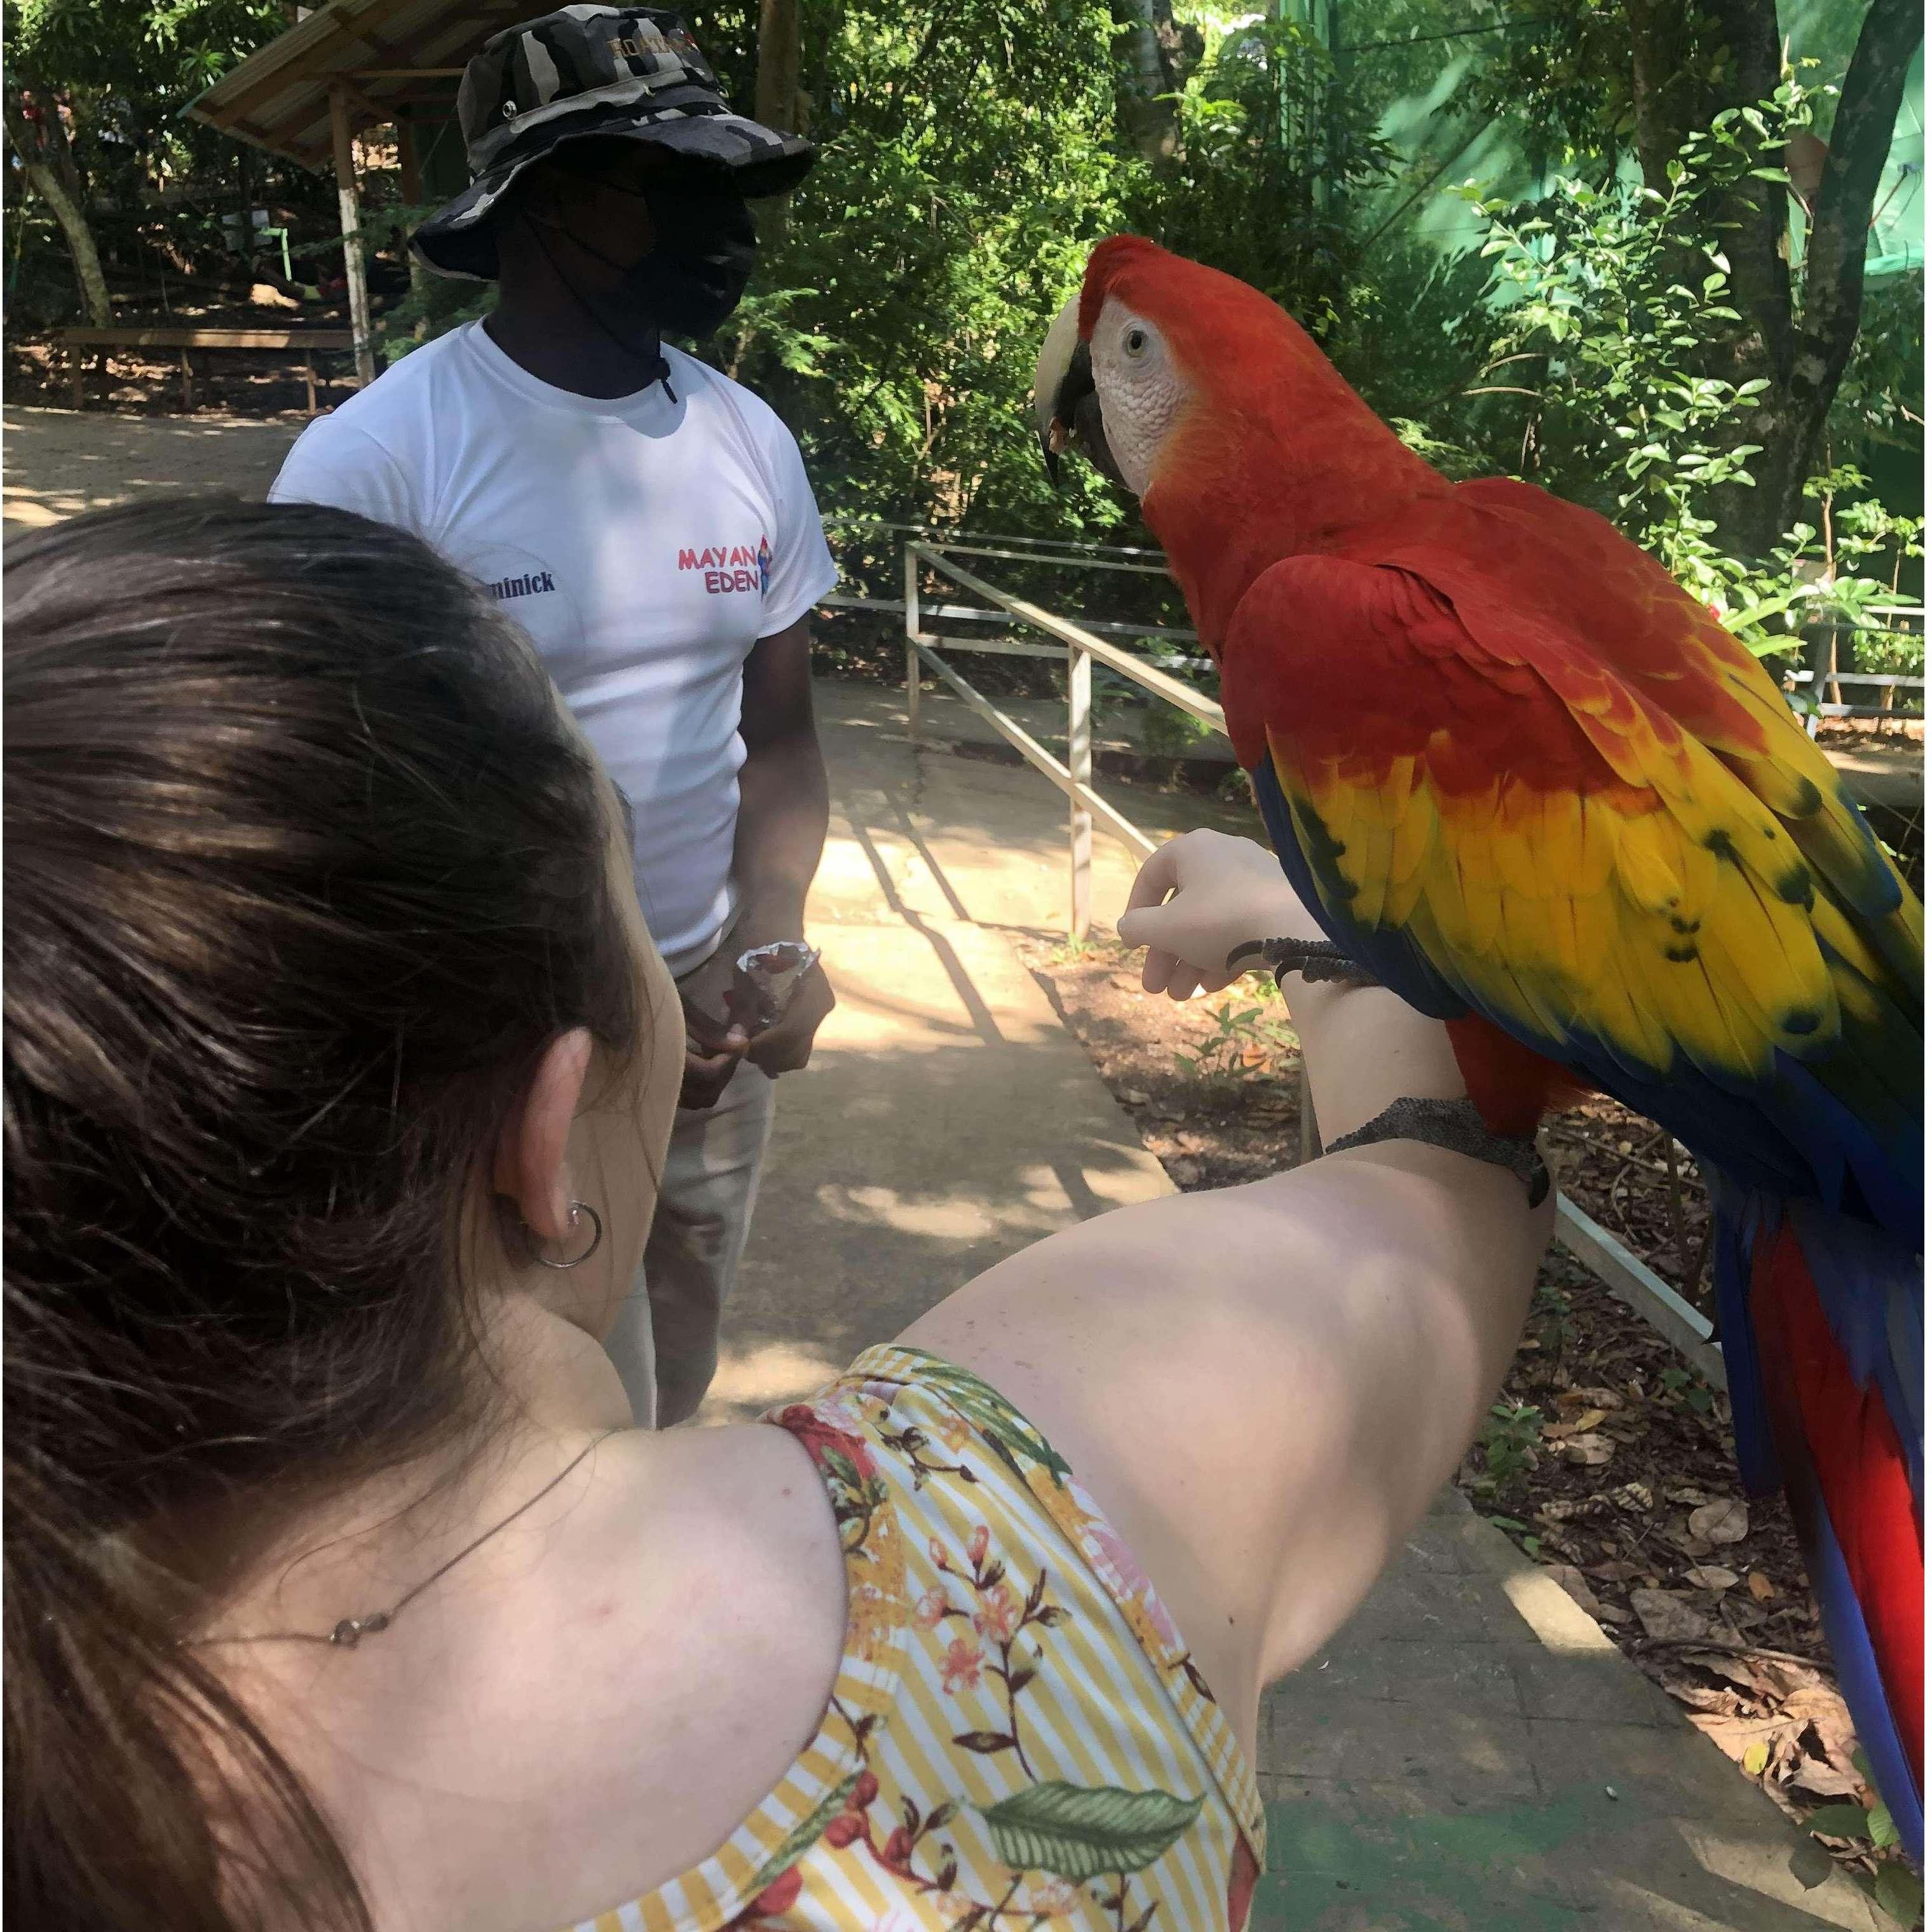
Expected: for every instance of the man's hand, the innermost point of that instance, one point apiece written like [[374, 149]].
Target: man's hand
[[786, 1046], [712, 1053]]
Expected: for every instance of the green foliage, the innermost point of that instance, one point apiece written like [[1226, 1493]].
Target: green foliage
[[1614, 311], [1612, 302], [966, 170], [1245, 1041], [1897, 1889], [1550, 1318], [1507, 1446], [1272, 156], [1526, 1538], [1684, 1388]]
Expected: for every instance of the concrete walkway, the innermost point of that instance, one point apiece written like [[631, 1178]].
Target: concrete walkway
[[1471, 1754]]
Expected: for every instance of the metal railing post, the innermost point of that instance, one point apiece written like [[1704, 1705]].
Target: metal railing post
[[912, 635], [1080, 768]]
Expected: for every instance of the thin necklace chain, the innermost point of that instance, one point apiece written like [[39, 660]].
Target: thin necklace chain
[[350, 1631]]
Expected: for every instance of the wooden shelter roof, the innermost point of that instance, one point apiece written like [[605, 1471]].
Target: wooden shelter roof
[[379, 54]]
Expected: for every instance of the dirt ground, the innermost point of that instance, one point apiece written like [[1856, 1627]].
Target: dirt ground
[[1605, 1458]]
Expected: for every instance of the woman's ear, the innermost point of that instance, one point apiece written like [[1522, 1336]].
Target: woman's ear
[[532, 1168]]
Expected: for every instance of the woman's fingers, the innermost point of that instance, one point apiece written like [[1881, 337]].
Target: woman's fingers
[[1155, 879], [1157, 969], [1183, 982]]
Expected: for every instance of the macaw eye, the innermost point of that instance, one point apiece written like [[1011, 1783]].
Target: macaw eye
[[1134, 342]]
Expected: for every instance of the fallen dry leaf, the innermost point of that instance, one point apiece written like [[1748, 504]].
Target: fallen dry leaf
[[1616, 1571], [1592, 1451], [1633, 1496], [1814, 1775], [1571, 1578], [1760, 1586], [1593, 1398], [1710, 1576], [1725, 1521], [1667, 1618]]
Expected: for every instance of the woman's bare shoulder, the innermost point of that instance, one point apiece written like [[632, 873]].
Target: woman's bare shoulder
[[613, 1712]]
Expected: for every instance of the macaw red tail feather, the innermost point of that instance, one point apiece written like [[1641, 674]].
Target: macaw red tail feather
[[1511, 1085], [1852, 1487]]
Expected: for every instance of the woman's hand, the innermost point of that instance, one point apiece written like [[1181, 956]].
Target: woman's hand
[[1224, 891]]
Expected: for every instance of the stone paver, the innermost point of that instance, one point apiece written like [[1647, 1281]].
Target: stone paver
[[1471, 1754]]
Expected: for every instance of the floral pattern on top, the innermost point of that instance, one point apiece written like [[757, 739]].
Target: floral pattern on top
[[1018, 1739]]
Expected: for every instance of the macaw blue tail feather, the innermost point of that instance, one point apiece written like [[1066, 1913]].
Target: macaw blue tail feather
[[1822, 1320]]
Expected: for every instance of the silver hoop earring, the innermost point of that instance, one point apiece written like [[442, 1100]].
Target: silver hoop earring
[[577, 1210]]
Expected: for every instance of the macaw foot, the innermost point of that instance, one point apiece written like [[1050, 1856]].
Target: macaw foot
[[1456, 1125], [1312, 958]]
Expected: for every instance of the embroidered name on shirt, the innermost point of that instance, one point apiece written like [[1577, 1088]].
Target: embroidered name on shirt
[[728, 568], [533, 585]]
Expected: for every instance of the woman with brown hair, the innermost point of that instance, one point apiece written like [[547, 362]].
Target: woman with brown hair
[[340, 1590]]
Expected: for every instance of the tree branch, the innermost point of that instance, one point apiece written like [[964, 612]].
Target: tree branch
[[1760, 276], [1835, 269], [45, 176]]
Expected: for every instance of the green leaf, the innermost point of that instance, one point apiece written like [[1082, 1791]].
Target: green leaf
[[1901, 1893], [1756, 1757], [1838, 1821], [803, 1836], [1080, 1832], [1884, 1832]]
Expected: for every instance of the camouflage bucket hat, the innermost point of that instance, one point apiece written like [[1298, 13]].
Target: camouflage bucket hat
[[632, 72]]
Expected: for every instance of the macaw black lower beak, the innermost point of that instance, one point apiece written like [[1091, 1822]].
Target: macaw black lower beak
[[1076, 419]]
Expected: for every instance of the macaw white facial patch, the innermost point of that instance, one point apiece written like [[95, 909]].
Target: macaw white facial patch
[[1141, 392]]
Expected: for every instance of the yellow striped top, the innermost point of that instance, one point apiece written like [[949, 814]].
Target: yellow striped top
[[1017, 1738]]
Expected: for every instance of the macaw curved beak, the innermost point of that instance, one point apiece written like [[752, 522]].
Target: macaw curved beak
[[1066, 406]]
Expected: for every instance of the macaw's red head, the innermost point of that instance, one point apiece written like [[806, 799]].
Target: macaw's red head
[[1154, 344], [1211, 404]]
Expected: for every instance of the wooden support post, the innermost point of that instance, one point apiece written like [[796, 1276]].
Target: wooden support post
[[1080, 767], [411, 168], [187, 385], [912, 652], [1311, 1128], [352, 263], [77, 371], [308, 378]]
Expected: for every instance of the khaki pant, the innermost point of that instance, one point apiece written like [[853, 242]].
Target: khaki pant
[[665, 1341]]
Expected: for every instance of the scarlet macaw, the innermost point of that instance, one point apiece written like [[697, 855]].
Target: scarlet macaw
[[1526, 781]]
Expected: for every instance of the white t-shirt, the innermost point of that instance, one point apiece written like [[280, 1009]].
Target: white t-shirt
[[645, 544]]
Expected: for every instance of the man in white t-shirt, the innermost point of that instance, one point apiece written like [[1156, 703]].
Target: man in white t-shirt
[[649, 523]]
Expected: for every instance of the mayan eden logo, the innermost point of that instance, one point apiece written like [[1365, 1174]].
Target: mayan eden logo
[[731, 567]]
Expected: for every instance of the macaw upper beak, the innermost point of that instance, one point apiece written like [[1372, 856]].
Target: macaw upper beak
[[1066, 405]]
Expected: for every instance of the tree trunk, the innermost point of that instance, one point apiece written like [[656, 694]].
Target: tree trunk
[[1834, 261], [1802, 356], [1663, 87], [41, 153], [775, 94], [1758, 219], [1150, 123]]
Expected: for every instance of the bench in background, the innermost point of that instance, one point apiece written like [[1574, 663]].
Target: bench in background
[[302, 342]]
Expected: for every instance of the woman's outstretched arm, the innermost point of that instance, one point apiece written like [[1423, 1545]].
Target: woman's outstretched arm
[[1264, 1386]]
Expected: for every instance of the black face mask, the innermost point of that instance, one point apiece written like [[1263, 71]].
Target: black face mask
[[695, 273], [687, 283]]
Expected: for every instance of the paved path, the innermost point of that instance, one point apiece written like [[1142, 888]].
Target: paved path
[[1470, 1754], [61, 462]]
